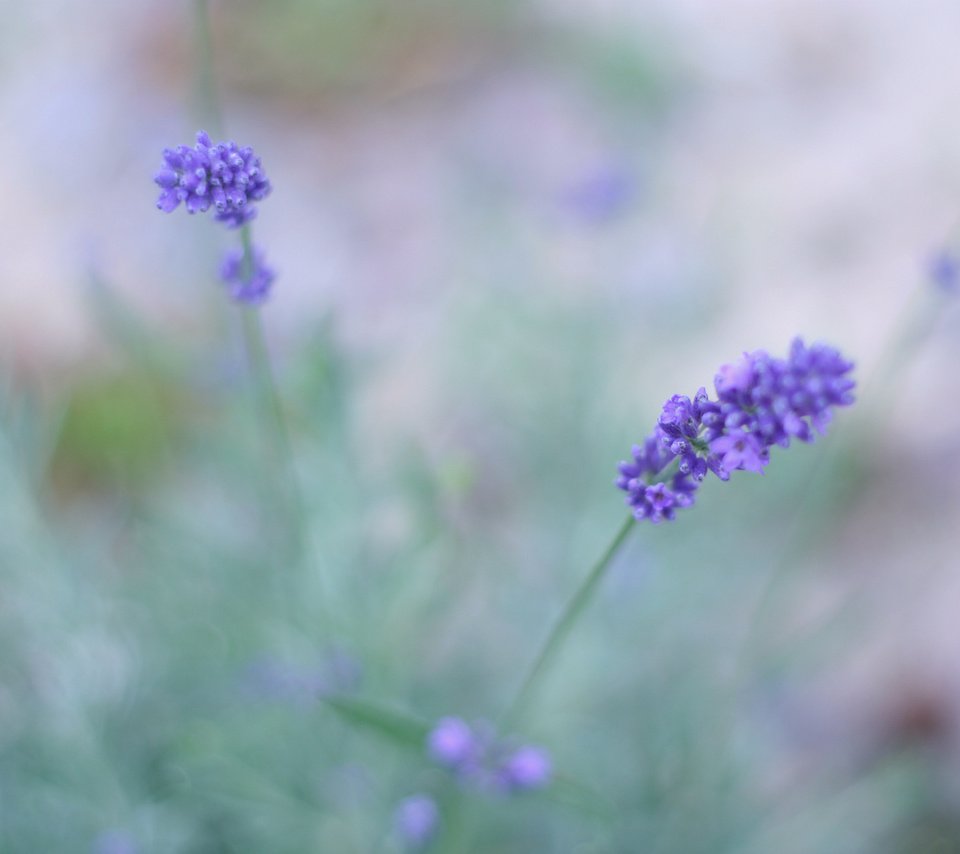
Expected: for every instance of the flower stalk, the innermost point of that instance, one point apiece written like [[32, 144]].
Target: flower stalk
[[575, 606]]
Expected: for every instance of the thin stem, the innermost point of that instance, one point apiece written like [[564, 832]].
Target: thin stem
[[568, 617], [290, 507], [208, 104], [275, 425]]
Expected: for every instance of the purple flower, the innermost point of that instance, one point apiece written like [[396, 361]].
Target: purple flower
[[452, 743], [761, 401], [220, 175], [415, 820], [250, 286], [601, 195], [484, 762], [944, 269], [740, 450], [525, 769]]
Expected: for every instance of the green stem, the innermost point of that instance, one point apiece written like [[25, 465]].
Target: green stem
[[568, 617], [289, 509], [275, 426], [207, 102]]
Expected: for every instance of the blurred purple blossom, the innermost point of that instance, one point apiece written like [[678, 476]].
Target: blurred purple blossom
[[526, 768], [944, 270], [600, 195], [415, 820], [482, 761], [251, 287], [452, 742]]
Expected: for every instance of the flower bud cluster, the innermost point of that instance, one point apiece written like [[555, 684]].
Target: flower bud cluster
[[228, 179], [761, 401], [220, 175], [482, 761]]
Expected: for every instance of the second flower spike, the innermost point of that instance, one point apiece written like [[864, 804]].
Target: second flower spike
[[248, 281]]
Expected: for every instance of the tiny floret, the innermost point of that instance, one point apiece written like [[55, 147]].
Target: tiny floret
[[248, 280], [212, 176], [761, 401], [415, 821], [525, 769], [452, 743], [482, 761], [944, 270]]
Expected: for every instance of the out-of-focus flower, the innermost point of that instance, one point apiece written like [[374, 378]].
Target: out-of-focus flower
[[452, 743], [761, 401], [416, 820], [249, 286], [525, 769], [482, 761], [944, 270], [220, 175], [601, 195]]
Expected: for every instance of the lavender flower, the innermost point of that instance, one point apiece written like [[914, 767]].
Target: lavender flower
[[525, 769], [250, 286], [601, 195], [415, 820], [218, 175], [484, 762], [452, 743], [761, 401], [944, 269]]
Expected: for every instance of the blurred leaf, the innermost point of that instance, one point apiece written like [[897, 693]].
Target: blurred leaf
[[400, 727], [115, 430]]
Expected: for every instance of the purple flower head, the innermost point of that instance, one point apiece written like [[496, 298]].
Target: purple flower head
[[250, 286], [660, 502], [525, 769], [780, 399], [761, 401], [452, 743], [740, 450], [415, 820], [944, 270], [601, 195], [221, 176], [484, 762], [735, 377]]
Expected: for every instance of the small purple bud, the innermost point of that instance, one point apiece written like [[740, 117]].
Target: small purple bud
[[451, 742], [525, 769], [415, 820], [204, 171], [250, 286], [168, 201], [944, 270]]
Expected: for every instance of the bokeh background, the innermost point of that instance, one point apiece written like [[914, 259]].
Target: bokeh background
[[505, 232]]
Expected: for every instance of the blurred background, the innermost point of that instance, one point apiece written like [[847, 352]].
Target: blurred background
[[504, 233]]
